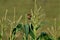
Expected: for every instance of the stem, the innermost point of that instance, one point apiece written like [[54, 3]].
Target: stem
[[35, 11], [11, 38], [24, 36], [34, 30], [2, 29], [6, 13], [35, 33], [11, 32], [55, 25]]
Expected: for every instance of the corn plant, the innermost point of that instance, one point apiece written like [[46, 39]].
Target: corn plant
[[54, 31], [12, 24], [3, 25], [44, 36], [32, 24], [37, 18]]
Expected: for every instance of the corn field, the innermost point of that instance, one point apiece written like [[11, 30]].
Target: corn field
[[30, 26]]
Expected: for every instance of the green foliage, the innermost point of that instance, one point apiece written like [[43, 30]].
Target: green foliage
[[26, 30], [36, 18], [0, 36], [36, 23], [44, 36], [15, 30], [31, 29], [18, 27], [58, 38]]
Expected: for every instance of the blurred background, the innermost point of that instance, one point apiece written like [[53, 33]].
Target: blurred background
[[51, 7]]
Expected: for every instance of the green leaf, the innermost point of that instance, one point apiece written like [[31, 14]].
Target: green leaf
[[26, 30], [0, 36], [31, 33], [19, 27], [31, 27], [15, 30], [44, 36], [58, 38]]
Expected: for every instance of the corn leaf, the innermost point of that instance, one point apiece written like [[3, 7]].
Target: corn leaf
[[15, 30], [0, 36], [31, 27], [31, 33], [44, 36], [26, 30], [18, 28], [58, 38]]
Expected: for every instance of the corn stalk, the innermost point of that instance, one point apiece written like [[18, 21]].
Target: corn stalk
[[53, 30], [36, 18], [12, 24], [2, 24], [1, 29]]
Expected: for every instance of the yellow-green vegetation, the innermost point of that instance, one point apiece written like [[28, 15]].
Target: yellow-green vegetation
[[32, 25]]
